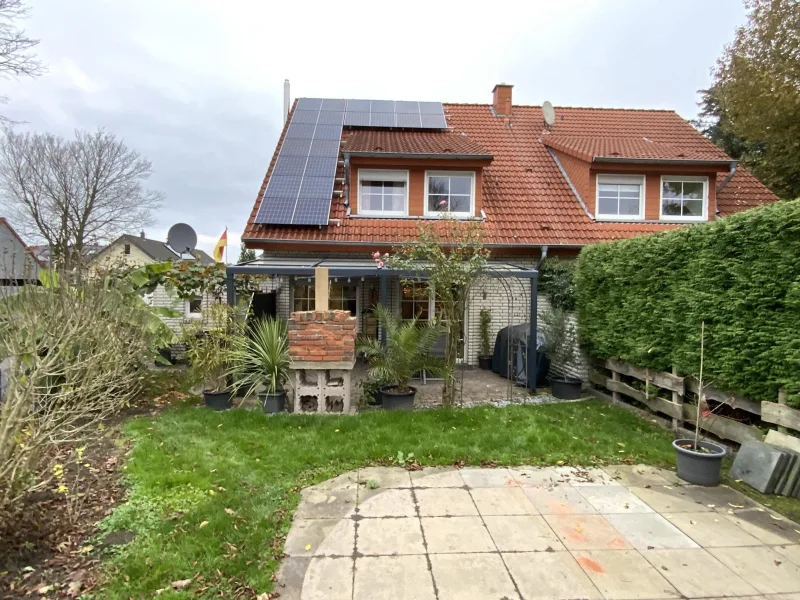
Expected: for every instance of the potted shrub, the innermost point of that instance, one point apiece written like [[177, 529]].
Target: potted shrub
[[485, 357], [406, 352], [260, 363], [699, 461], [209, 344], [371, 390], [559, 346]]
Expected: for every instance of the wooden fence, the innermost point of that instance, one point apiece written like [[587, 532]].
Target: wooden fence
[[682, 409]]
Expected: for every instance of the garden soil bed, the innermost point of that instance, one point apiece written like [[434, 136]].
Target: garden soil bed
[[46, 554]]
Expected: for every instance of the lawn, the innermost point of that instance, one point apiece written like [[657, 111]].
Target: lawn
[[212, 493]]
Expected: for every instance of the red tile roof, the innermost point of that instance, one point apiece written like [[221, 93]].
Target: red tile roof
[[29, 249], [636, 148], [526, 198], [373, 141]]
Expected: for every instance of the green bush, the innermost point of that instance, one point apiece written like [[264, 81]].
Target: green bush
[[643, 299], [556, 281]]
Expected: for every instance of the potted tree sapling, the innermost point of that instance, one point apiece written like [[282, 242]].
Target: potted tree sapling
[[406, 352], [700, 461], [559, 346], [485, 357], [260, 363], [209, 344]]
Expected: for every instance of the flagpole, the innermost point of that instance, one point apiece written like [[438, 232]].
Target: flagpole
[[226, 244]]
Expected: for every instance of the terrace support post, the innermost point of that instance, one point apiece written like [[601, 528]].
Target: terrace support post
[[533, 364], [677, 399], [321, 289], [384, 300], [782, 400], [615, 395], [230, 288]]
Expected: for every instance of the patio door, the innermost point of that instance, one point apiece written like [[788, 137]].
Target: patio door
[[417, 299]]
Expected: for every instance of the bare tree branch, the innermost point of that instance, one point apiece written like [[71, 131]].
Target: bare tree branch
[[16, 58], [75, 193]]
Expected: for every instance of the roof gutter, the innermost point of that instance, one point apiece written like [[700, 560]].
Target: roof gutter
[[444, 156], [382, 243], [731, 173], [660, 161]]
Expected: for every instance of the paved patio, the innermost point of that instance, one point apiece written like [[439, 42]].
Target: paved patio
[[622, 533]]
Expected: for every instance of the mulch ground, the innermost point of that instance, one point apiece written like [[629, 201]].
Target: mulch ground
[[49, 550]]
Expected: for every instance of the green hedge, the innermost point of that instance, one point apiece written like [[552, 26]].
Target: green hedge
[[643, 299], [556, 281]]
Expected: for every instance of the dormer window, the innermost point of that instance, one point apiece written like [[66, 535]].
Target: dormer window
[[620, 197], [382, 193], [684, 198], [450, 192]]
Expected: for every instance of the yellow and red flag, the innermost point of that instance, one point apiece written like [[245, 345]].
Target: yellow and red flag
[[221, 245]]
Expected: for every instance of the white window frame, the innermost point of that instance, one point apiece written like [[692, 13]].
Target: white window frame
[[439, 213], [687, 178], [641, 180], [187, 313], [383, 175]]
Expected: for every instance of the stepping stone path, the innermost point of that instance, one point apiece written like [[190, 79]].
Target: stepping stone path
[[620, 533]]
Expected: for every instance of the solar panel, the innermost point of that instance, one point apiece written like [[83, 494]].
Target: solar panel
[[301, 185]]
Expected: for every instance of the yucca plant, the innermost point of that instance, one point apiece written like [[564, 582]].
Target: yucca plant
[[261, 357], [406, 352]]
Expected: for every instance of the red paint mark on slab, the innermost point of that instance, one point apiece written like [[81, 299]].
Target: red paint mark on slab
[[617, 543], [591, 565], [574, 535]]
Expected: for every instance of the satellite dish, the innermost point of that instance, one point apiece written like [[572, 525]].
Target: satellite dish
[[549, 114], [182, 238]]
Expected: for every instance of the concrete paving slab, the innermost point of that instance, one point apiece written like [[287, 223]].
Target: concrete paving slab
[[778, 597], [385, 477], [345, 481], [587, 532], [669, 499], [444, 502], [759, 465], [720, 498], [546, 575], [326, 504], [536, 476], [765, 528], [476, 478], [697, 574], [290, 576], [610, 499], [763, 568], [782, 440], [393, 578], [636, 475], [579, 476], [624, 575], [522, 534], [328, 579], [502, 501], [318, 537], [712, 530], [650, 531], [388, 503], [559, 500], [390, 536], [472, 576], [456, 534], [790, 551], [437, 477]]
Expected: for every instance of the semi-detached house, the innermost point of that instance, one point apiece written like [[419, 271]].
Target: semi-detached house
[[351, 177]]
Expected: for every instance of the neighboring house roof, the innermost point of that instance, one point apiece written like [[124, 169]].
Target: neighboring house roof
[[631, 149], [367, 142], [87, 253], [156, 249], [28, 249], [526, 197]]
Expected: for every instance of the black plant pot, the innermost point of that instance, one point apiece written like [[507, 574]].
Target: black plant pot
[[699, 468], [273, 403], [485, 362], [217, 400], [393, 400], [566, 388], [376, 398]]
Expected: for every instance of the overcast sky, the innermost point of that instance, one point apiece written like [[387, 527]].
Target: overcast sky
[[197, 85]]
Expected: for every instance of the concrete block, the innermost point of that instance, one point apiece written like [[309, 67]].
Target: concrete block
[[759, 465], [782, 440]]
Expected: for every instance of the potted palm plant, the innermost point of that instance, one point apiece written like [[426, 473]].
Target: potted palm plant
[[209, 343], [485, 357], [405, 353], [260, 363], [559, 346]]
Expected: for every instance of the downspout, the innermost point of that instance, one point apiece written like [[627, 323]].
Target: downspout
[[542, 257], [725, 181]]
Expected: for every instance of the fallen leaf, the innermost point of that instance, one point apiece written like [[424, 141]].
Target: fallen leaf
[[760, 509], [776, 518], [74, 589], [179, 585], [220, 425], [692, 523], [711, 505], [230, 511], [738, 480], [735, 505], [778, 563], [336, 431], [620, 444], [44, 589], [308, 547], [211, 492], [667, 487], [203, 524]]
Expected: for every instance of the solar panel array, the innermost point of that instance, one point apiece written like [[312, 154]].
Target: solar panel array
[[300, 189]]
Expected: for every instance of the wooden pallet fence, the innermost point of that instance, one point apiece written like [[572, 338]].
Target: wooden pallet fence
[[780, 414], [722, 427]]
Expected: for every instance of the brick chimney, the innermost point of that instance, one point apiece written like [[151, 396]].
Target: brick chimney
[[501, 99], [322, 336]]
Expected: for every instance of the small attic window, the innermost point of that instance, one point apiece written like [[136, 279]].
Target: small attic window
[[127, 249]]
